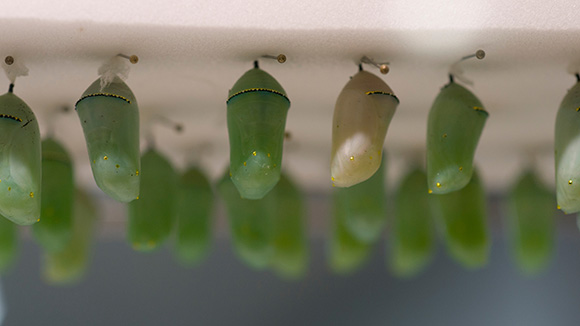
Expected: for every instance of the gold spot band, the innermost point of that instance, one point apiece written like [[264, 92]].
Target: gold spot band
[[7, 116], [102, 94], [250, 90], [480, 109], [383, 93]]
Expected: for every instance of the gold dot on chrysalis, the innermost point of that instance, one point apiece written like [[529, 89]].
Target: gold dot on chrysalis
[[37, 220], [31, 194], [274, 164], [9, 188], [477, 108], [352, 158], [137, 197], [558, 207], [569, 182], [254, 153], [438, 185], [245, 163], [370, 157], [117, 166], [268, 154], [333, 185], [105, 157], [430, 191], [137, 172], [230, 174], [94, 161], [461, 168], [151, 243], [444, 136]]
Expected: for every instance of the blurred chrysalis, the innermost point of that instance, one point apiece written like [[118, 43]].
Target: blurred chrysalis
[[54, 229], [8, 243], [462, 215], [69, 264], [362, 207], [362, 115], [194, 217], [110, 119], [257, 110], [567, 144], [412, 236], [151, 215], [20, 161], [531, 223], [454, 126], [346, 253]]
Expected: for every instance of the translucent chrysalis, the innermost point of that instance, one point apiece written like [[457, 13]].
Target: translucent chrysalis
[[20, 161], [8, 243], [257, 110], [462, 215], [412, 235], [110, 120], [194, 217], [454, 126], [362, 114], [151, 216], [362, 207], [531, 223], [567, 144], [346, 253], [54, 229]]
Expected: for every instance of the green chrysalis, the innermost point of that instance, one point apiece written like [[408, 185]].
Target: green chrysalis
[[194, 217], [362, 115], [20, 161], [151, 216], [412, 236], [54, 229], [110, 120], [462, 215], [567, 144], [531, 223], [257, 110], [8, 243], [454, 126], [346, 253]]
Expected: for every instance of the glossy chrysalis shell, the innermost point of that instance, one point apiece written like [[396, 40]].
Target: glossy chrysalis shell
[[531, 223], [20, 161], [257, 110], [194, 217], [54, 229], [362, 207], [110, 120], [412, 234], [455, 124], [69, 264], [346, 253], [462, 215], [8, 243], [151, 216], [362, 115], [568, 152]]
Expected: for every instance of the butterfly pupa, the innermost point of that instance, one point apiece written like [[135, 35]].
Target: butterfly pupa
[[462, 216], [567, 154], [412, 233], [250, 226], [8, 243], [151, 216], [531, 223], [362, 207], [110, 121], [20, 161], [194, 217], [69, 264], [362, 115], [454, 127], [54, 229], [346, 253], [257, 107]]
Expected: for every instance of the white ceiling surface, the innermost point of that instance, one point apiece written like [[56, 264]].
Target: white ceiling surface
[[192, 52]]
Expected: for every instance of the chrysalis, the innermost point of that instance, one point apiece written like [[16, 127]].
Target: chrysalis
[[362, 114], [250, 226], [531, 223], [69, 264], [8, 243], [54, 229], [151, 216], [257, 109], [412, 240], [194, 217], [110, 120], [362, 207], [455, 124], [568, 152], [346, 253], [462, 215], [20, 161]]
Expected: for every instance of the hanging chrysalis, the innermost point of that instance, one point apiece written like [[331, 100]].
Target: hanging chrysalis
[[362, 115], [110, 119], [454, 127], [194, 217], [69, 264], [412, 235], [54, 229], [151, 215], [531, 223], [362, 207], [567, 144], [257, 110], [8, 243], [250, 226], [346, 253], [462, 215]]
